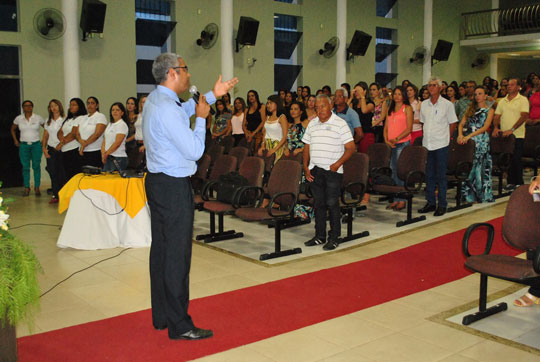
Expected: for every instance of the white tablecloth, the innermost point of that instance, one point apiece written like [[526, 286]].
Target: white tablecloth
[[87, 227]]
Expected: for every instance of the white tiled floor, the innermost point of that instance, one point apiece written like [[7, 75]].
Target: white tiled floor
[[395, 331]]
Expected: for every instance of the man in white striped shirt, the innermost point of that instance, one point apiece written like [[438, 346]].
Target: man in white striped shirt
[[328, 144]]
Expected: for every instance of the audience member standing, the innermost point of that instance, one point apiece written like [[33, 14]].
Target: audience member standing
[[477, 120], [222, 124], [397, 135], [255, 118], [67, 135], [237, 120], [139, 134], [29, 145], [364, 107], [348, 114], [534, 102], [412, 96], [379, 112], [464, 102], [439, 120], [275, 129], [310, 107], [90, 134], [49, 143], [113, 146], [328, 144], [512, 111], [297, 129], [132, 111]]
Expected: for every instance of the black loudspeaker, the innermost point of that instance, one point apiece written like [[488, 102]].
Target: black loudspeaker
[[359, 43], [247, 31], [93, 16], [442, 50]]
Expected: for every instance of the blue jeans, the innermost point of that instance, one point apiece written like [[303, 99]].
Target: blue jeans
[[31, 153], [394, 157], [437, 162]]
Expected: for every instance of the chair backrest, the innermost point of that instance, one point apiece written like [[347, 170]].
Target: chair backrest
[[521, 223], [500, 145], [356, 169], [379, 155], [202, 166], [285, 177], [298, 157], [460, 153], [531, 141], [240, 153], [224, 164], [412, 158], [227, 143], [215, 151], [418, 141], [252, 169]]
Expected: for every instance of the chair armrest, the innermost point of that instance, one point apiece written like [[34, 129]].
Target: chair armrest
[[274, 199], [255, 201], [470, 230], [463, 169], [414, 181], [357, 188], [208, 189]]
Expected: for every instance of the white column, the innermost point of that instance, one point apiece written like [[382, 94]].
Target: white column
[[72, 81], [428, 33], [341, 32], [227, 60]]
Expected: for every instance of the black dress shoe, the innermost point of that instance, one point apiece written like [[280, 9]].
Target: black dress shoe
[[427, 208], [194, 334], [440, 211]]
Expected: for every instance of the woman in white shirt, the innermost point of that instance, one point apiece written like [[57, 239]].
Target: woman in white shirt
[[49, 143], [90, 134], [68, 141], [29, 145], [275, 129], [237, 120], [114, 142]]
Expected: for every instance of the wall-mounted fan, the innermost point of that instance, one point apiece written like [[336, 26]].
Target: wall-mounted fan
[[330, 47], [419, 56], [208, 36], [481, 61], [49, 23]]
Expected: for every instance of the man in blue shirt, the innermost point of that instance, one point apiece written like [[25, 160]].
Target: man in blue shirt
[[348, 114], [172, 149]]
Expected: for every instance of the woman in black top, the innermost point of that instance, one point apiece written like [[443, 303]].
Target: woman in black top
[[254, 120], [364, 106]]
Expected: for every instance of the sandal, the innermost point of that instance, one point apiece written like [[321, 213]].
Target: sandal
[[392, 206], [527, 300], [26, 191]]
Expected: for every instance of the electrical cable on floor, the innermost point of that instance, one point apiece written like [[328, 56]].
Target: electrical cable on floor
[[78, 271], [33, 224]]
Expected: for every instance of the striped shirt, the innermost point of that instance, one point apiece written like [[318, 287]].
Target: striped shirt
[[326, 141]]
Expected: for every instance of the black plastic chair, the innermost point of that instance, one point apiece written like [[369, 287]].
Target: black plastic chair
[[460, 162], [502, 149]]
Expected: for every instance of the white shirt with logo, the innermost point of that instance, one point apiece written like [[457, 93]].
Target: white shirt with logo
[[29, 128], [113, 129], [87, 127]]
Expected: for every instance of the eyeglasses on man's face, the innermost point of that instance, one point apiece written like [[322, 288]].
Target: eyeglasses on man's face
[[184, 67]]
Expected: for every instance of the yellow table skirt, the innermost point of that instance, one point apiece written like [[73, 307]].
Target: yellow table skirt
[[113, 184]]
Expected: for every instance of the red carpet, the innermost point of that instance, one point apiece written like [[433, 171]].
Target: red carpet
[[252, 314]]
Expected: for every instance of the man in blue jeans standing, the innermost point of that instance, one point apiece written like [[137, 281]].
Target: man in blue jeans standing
[[329, 144], [439, 120]]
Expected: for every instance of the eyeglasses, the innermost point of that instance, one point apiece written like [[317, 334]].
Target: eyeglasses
[[184, 67]]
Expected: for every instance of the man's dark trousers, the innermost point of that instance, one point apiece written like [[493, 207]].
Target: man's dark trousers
[[171, 212], [437, 162], [326, 188]]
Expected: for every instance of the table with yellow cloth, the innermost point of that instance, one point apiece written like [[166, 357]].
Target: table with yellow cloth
[[104, 211]]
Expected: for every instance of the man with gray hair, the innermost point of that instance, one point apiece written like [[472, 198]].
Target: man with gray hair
[[439, 122], [328, 144], [172, 149], [342, 110]]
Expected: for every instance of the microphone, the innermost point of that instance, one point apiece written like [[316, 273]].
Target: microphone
[[195, 93]]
